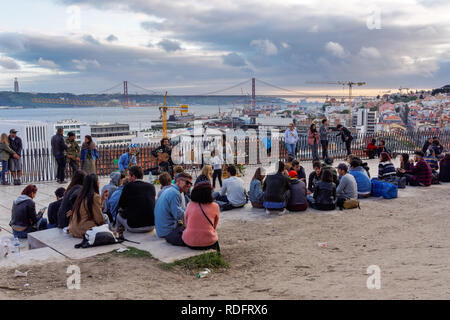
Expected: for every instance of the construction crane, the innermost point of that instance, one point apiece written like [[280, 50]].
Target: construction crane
[[350, 85], [183, 109]]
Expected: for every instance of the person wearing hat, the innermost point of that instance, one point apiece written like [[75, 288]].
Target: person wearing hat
[[73, 152], [15, 165], [128, 159], [297, 201], [5, 153], [347, 188], [420, 173]]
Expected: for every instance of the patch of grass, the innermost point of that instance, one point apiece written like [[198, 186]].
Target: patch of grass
[[210, 260], [134, 253]]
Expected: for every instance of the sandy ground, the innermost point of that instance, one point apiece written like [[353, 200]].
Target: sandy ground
[[279, 258]]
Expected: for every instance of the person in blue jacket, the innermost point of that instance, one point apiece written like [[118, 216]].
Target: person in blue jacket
[[362, 179], [128, 159]]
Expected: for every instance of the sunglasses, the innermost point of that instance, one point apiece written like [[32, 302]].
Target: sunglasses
[[189, 183]]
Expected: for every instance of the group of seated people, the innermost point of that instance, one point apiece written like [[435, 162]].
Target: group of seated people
[[187, 213]]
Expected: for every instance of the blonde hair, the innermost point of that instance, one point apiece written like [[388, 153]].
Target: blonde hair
[[207, 171], [4, 138]]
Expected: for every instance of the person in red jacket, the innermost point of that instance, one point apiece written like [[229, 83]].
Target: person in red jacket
[[371, 149], [419, 174]]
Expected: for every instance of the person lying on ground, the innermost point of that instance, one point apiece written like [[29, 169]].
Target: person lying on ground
[[136, 203], [24, 218], [53, 208]]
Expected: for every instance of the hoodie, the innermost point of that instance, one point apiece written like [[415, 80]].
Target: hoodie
[[23, 212], [113, 183]]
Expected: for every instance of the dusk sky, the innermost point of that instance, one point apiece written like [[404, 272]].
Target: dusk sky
[[192, 47]]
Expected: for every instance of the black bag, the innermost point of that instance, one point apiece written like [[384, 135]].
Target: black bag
[[175, 237], [98, 236]]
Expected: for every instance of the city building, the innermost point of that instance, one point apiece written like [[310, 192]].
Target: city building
[[109, 133], [365, 120]]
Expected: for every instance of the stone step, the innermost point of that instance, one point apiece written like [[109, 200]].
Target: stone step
[[31, 258]]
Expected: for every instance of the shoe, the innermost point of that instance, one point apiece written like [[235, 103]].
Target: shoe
[[17, 182], [5, 183], [282, 212], [267, 211]]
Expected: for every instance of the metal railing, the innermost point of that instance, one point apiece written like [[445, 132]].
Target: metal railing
[[39, 165]]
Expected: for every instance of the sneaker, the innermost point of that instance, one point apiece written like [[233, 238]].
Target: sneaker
[[282, 212], [268, 211], [5, 183]]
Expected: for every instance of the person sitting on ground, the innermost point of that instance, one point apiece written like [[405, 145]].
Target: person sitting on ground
[[205, 175], [233, 194], [70, 196], [113, 202], [365, 165], [297, 200], [444, 168], [431, 159], [347, 188], [136, 204], [24, 219], [371, 149], [426, 145], [328, 165], [256, 191], [386, 169], [404, 164], [314, 176], [324, 197], [289, 164], [276, 190], [52, 212], [128, 158], [166, 181], [114, 183], [362, 179], [301, 174], [419, 174], [169, 212], [201, 219], [437, 147], [382, 148], [87, 211]]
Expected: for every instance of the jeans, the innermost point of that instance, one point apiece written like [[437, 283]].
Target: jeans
[[315, 151], [348, 145], [291, 148], [217, 174], [4, 170], [60, 173], [324, 144], [73, 165], [40, 225], [121, 221]]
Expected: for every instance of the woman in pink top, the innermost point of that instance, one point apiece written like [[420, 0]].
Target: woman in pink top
[[201, 218], [313, 141]]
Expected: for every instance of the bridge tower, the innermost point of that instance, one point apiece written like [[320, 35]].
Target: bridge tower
[[253, 94], [125, 94], [16, 85]]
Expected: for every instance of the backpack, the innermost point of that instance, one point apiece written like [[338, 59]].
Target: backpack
[[384, 189], [98, 236], [347, 204]]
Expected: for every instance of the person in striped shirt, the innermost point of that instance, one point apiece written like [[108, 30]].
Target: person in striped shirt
[[431, 159], [386, 169]]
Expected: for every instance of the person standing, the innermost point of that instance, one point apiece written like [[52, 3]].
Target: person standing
[[89, 155], [323, 136], [313, 141], [59, 148], [290, 139], [15, 165], [346, 136], [5, 153], [217, 163], [73, 152]]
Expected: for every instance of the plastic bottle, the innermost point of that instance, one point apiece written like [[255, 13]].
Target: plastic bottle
[[150, 177], [6, 243], [16, 244], [203, 273]]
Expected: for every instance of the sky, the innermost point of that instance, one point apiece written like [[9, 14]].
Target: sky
[[199, 46]]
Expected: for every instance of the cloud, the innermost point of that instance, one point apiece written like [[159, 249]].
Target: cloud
[[8, 63], [336, 49], [89, 38], [266, 46], [369, 52], [234, 60], [85, 64], [112, 38], [47, 63], [169, 45]]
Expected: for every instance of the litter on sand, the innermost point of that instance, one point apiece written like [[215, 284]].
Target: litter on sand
[[17, 273], [120, 250]]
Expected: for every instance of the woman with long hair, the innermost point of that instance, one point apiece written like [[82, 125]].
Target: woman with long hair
[[313, 141], [5, 153], [256, 193], [69, 198], [24, 218], [89, 154], [386, 169], [87, 210], [404, 164], [205, 175], [324, 197]]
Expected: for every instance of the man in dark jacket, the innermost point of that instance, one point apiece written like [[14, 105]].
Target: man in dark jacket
[[58, 149], [52, 212], [276, 190], [15, 165], [136, 204], [346, 136]]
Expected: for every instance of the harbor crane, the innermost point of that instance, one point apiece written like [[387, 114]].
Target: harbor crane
[[182, 108], [350, 85]]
